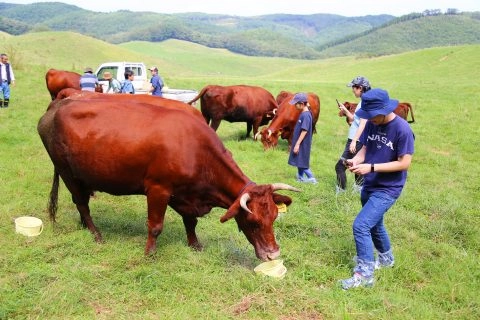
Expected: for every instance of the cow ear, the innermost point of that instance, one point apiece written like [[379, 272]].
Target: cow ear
[[231, 212], [280, 198]]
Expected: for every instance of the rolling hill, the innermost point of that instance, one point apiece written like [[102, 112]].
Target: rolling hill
[[279, 35]]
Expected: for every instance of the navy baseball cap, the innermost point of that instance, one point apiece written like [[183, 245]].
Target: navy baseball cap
[[299, 97]]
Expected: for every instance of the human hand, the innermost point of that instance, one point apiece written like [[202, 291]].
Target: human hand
[[296, 149], [361, 168], [353, 146], [347, 162]]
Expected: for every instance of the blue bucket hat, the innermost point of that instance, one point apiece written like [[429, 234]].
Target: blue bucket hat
[[376, 102], [299, 97], [359, 81]]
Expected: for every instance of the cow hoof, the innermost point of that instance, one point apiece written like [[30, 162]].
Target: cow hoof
[[98, 238], [196, 246]]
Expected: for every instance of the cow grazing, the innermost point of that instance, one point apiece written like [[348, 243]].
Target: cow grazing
[[57, 80], [241, 103], [167, 154], [402, 110], [285, 119]]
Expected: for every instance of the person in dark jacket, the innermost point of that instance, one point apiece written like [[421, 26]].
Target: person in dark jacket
[[7, 78]]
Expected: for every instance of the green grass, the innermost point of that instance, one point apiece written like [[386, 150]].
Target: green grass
[[64, 274]]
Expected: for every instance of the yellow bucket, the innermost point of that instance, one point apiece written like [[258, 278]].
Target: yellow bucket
[[28, 226], [273, 268]]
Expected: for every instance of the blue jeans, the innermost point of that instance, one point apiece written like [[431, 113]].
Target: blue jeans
[[368, 226], [5, 88], [305, 171]]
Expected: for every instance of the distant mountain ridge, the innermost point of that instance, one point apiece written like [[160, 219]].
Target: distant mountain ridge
[[282, 35]]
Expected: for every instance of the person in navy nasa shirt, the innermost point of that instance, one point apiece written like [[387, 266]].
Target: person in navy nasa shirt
[[386, 155]]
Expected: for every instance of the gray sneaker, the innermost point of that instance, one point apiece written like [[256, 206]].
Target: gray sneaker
[[357, 281], [385, 260], [356, 188], [339, 190], [311, 180], [299, 179]]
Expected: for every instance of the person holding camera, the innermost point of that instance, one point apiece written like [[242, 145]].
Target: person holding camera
[[359, 86]]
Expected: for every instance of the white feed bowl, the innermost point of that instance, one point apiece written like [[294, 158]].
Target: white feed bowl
[[28, 226]]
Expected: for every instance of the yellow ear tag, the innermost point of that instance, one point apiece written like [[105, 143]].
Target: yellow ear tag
[[282, 208]]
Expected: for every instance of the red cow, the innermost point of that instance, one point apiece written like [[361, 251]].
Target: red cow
[[59, 79], [285, 119], [128, 148], [142, 98], [402, 111], [242, 103]]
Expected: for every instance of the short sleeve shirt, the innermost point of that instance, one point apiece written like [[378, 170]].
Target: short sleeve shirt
[[385, 143]]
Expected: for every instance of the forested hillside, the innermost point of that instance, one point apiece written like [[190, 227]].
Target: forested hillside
[[278, 35]]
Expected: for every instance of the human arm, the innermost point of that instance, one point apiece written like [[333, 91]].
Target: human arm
[[345, 111], [296, 148], [401, 164], [358, 133], [12, 77]]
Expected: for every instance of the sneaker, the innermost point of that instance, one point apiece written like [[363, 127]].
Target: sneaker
[[299, 179], [384, 260], [339, 190], [357, 281], [356, 188], [311, 180]]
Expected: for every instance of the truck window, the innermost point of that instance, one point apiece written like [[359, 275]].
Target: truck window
[[137, 71], [112, 70]]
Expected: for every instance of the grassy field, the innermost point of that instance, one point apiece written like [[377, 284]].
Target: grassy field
[[434, 226]]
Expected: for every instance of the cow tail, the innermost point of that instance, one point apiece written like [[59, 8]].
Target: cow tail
[[53, 201], [411, 113], [199, 95]]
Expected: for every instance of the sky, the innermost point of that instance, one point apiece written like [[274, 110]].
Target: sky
[[349, 8]]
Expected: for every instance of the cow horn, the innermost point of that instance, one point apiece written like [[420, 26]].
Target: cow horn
[[284, 186], [243, 202], [269, 133], [256, 135]]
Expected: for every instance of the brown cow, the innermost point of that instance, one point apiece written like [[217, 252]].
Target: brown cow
[[128, 148], [285, 119], [402, 111], [57, 80], [142, 98], [241, 103]]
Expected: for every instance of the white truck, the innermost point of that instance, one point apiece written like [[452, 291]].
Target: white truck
[[140, 82]]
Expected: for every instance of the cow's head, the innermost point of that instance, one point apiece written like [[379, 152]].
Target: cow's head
[[255, 211], [269, 137], [351, 106], [282, 96]]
